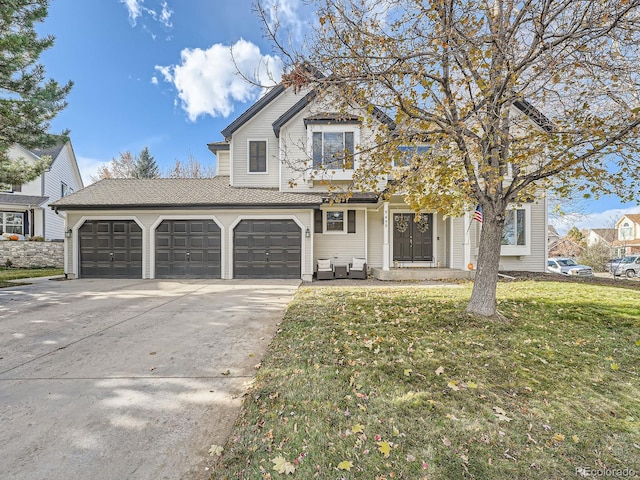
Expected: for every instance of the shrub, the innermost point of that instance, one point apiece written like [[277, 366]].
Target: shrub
[[36, 239]]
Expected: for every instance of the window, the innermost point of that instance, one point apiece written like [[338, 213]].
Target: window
[[626, 231], [516, 234], [12, 222], [335, 221], [333, 149], [64, 190], [257, 156], [407, 153]]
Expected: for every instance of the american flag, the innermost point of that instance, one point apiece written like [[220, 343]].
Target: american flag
[[477, 215]]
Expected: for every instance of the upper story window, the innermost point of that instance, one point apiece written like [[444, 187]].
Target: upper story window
[[257, 156], [626, 231], [406, 154], [64, 189], [6, 188], [333, 149]]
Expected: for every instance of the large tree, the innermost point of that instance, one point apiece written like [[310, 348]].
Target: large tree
[[192, 168], [146, 166], [122, 167], [511, 97], [28, 102]]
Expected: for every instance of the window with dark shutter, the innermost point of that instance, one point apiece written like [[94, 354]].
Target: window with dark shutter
[[351, 221]]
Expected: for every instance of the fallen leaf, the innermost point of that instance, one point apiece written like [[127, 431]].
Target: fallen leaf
[[575, 439], [357, 428], [439, 371], [280, 465], [501, 414], [345, 465], [384, 448], [558, 437], [407, 372], [614, 366], [216, 450], [471, 385], [453, 385], [226, 372], [446, 441]]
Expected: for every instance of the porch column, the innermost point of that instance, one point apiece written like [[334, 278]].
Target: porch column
[[466, 247], [385, 242]]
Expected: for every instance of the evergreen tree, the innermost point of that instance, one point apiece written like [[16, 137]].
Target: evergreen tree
[[146, 166], [28, 102]]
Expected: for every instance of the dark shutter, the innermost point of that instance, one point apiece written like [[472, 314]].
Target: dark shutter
[[317, 224], [351, 221]]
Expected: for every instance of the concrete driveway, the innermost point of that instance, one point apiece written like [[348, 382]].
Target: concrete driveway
[[127, 379]]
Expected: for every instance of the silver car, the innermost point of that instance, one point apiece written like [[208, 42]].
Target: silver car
[[568, 266], [629, 266]]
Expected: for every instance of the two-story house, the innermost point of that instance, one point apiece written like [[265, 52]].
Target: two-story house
[[627, 241], [24, 208], [269, 214]]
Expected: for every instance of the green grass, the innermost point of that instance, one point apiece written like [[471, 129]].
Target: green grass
[[352, 371], [17, 273]]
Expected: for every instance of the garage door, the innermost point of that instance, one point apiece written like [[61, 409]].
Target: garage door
[[188, 249], [267, 249], [110, 249]]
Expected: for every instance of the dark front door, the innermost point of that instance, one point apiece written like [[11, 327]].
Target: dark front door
[[188, 249], [267, 249], [110, 249], [412, 241]]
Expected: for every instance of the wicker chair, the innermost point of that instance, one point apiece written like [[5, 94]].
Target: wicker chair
[[324, 270], [358, 268]]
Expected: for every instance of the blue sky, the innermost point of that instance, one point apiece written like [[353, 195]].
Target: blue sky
[[159, 73]]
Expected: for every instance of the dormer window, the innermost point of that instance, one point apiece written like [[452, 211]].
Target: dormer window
[[332, 140], [333, 150]]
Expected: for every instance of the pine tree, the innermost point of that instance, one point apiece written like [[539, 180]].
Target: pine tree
[[28, 102], [146, 166]]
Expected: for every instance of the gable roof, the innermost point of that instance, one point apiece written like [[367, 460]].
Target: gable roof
[[634, 217], [53, 152], [607, 234], [118, 193], [253, 110]]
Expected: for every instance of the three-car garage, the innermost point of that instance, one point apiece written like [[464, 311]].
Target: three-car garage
[[191, 248]]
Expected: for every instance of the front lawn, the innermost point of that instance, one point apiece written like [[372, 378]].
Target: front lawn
[[17, 273], [398, 383]]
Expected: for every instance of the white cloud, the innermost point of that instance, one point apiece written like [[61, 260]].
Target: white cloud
[[208, 82], [89, 167], [154, 80], [137, 10]]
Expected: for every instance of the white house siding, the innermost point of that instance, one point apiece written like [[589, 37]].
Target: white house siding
[[225, 218], [342, 247], [62, 170], [260, 128], [457, 243]]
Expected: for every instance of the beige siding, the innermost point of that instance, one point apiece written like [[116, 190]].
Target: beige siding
[[375, 228], [457, 243], [342, 247], [223, 163], [260, 128], [226, 219], [536, 261]]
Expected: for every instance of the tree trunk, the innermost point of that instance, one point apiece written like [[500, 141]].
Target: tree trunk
[[483, 295]]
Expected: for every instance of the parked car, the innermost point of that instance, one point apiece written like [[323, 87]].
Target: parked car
[[568, 266], [629, 266], [612, 264]]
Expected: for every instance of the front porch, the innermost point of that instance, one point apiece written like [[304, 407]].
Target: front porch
[[420, 273]]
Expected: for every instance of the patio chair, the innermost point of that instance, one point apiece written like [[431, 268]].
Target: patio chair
[[324, 270], [358, 268]]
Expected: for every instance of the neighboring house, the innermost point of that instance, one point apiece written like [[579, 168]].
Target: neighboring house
[[564, 247], [628, 238], [23, 208], [552, 235], [267, 216], [605, 236]]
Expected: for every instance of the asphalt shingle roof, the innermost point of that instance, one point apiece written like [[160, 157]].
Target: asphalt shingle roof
[[179, 193], [22, 200]]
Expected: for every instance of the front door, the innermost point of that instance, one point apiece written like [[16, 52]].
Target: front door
[[412, 241]]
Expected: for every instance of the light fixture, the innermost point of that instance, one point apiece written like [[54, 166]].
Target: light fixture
[[307, 233], [68, 232]]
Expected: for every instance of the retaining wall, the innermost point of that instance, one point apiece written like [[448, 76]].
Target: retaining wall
[[24, 254]]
